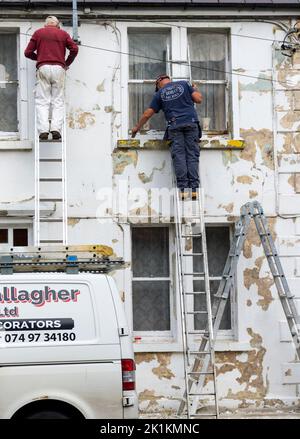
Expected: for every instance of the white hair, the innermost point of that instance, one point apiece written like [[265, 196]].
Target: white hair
[[51, 21]]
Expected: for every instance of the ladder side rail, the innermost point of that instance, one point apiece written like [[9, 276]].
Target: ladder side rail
[[64, 185], [222, 295], [36, 182], [275, 264], [182, 302]]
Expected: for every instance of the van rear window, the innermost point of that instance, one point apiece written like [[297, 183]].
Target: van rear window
[[46, 313]]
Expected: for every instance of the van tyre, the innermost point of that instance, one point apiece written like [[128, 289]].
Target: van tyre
[[48, 414]]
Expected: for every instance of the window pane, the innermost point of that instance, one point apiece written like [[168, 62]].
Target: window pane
[[8, 108], [208, 54], [3, 236], [151, 305], [200, 320], [140, 96], [150, 251], [8, 57], [218, 245], [212, 110], [20, 237], [144, 45]]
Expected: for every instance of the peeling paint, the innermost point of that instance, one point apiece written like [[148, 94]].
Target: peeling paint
[[162, 371], [249, 302], [252, 277], [149, 396], [73, 221], [263, 84], [251, 370], [124, 158], [80, 119], [229, 157], [146, 179], [253, 194], [253, 238], [141, 357], [100, 87], [244, 179], [109, 109], [227, 207], [262, 139]]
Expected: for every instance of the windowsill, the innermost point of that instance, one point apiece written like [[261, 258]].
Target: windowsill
[[221, 346], [211, 143], [15, 144]]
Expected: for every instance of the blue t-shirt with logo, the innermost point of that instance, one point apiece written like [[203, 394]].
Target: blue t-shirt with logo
[[175, 100]]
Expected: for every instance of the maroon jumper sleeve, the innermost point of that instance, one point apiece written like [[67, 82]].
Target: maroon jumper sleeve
[[73, 48], [31, 48]]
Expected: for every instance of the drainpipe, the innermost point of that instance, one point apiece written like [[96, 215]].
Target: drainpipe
[[75, 21]]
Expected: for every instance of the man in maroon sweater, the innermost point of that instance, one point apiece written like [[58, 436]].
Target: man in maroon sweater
[[48, 47]]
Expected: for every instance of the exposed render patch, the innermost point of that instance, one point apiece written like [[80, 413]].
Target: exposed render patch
[[121, 159], [146, 179], [162, 370], [262, 85], [227, 207], [244, 179], [253, 194], [252, 277], [229, 157], [149, 395], [253, 238], [141, 357], [100, 87], [262, 139], [291, 143], [79, 119], [73, 221], [251, 370]]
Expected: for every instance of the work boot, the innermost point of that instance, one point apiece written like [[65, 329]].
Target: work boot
[[43, 136], [195, 195], [56, 135], [183, 195]]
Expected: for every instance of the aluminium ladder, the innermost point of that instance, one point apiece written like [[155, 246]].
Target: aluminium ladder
[[190, 226], [248, 212], [50, 187]]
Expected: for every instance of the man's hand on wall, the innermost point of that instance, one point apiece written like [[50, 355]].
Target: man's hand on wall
[[134, 132]]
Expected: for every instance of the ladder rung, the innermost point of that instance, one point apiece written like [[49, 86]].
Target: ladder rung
[[205, 334], [202, 394], [199, 352], [196, 293], [201, 273], [202, 415], [51, 199], [50, 179], [196, 312], [51, 220], [193, 235], [200, 373], [51, 241], [192, 254], [46, 159]]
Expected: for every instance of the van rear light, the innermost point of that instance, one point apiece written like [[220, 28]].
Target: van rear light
[[128, 374]]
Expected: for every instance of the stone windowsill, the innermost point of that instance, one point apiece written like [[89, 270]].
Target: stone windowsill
[[157, 144], [19, 145]]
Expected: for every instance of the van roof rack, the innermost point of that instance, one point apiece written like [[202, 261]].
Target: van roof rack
[[69, 259]]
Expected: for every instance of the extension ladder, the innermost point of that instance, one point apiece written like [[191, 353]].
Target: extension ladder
[[248, 212], [190, 226], [50, 187]]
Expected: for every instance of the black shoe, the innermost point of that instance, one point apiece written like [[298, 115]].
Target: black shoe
[[56, 135], [43, 136], [184, 195]]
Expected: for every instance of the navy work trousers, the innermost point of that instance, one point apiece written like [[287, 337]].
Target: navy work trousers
[[185, 154]]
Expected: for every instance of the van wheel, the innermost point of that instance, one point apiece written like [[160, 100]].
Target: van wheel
[[48, 414]]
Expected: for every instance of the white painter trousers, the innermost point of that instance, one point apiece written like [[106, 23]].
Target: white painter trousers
[[50, 95]]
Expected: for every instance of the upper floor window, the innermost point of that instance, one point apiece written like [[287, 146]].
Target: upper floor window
[[203, 60], [8, 83], [208, 55], [149, 52]]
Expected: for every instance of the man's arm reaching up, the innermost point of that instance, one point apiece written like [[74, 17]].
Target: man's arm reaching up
[[31, 48]]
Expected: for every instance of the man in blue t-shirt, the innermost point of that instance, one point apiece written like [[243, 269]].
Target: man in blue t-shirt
[[176, 100]]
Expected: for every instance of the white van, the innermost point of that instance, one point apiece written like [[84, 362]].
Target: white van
[[65, 348]]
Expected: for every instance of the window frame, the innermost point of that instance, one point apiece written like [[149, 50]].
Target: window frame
[[157, 335], [178, 35], [225, 82]]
